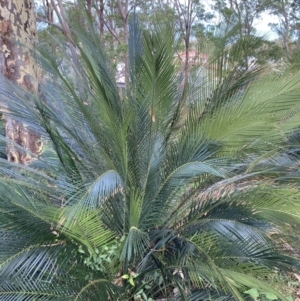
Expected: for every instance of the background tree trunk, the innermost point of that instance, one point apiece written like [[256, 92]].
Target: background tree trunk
[[17, 35]]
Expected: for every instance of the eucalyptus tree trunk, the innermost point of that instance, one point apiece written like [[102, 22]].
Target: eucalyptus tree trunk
[[17, 35], [123, 7]]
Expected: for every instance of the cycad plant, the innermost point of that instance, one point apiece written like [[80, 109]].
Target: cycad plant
[[169, 192]]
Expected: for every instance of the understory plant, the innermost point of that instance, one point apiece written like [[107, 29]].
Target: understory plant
[[171, 189]]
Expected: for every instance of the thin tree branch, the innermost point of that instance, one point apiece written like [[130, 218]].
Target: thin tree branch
[[112, 32], [50, 23], [121, 10], [62, 17], [57, 13]]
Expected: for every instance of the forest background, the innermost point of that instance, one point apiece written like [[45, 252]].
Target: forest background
[[198, 24]]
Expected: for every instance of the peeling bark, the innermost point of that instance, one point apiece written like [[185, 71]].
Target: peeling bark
[[17, 35]]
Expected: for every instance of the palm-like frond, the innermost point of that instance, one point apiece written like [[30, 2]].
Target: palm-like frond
[[190, 190]]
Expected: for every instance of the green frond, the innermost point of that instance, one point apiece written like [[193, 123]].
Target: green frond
[[185, 189]]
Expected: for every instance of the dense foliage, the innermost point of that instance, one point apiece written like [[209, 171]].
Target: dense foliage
[[171, 188]]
